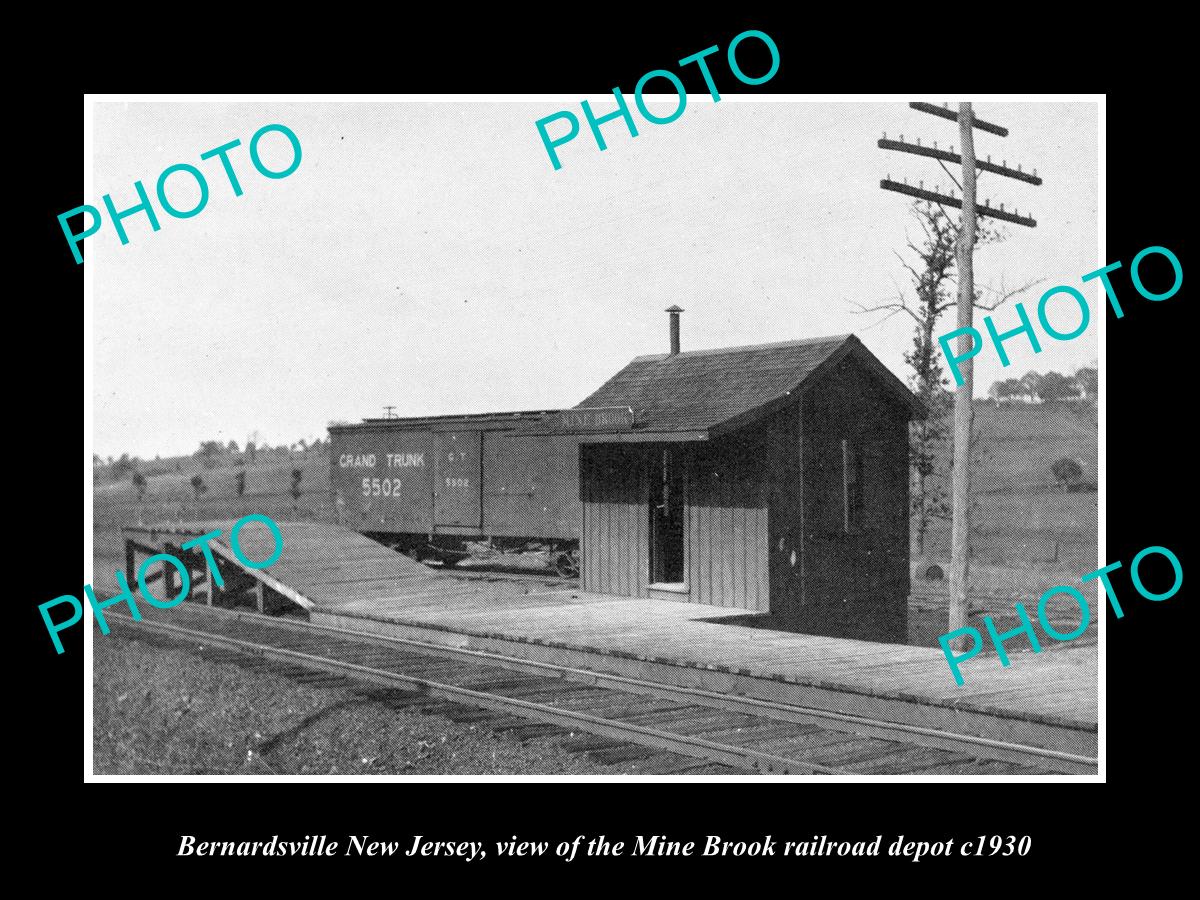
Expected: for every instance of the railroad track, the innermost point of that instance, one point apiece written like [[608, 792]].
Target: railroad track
[[673, 722]]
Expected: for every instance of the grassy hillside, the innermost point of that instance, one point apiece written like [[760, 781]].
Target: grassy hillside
[[1021, 516], [170, 497], [1018, 443]]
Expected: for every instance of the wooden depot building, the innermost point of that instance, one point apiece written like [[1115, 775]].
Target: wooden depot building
[[770, 478]]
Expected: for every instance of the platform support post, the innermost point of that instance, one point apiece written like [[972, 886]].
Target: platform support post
[[168, 575], [206, 585], [213, 594], [258, 595], [130, 561]]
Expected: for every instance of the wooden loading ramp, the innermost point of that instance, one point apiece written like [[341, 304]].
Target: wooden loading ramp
[[319, 565]]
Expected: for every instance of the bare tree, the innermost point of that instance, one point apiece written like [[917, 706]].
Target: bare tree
[[934, 285]]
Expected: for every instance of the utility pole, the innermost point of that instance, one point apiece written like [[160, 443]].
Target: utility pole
[[964, 251], [964, 394]]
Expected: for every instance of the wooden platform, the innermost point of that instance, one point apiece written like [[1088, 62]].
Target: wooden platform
[[1048, 699]]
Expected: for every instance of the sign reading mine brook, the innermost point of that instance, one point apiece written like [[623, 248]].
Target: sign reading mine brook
[[597, 418]]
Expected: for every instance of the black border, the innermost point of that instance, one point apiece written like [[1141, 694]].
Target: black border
[[1147, 398]]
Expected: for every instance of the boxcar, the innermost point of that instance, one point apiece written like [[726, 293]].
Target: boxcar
[[428, 485]]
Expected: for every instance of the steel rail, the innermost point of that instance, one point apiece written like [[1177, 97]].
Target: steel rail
[[939, 739], [682, 744]]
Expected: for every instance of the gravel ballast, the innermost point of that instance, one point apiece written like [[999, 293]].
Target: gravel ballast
[[162, 711]]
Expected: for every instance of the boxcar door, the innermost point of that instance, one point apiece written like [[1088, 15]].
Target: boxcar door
[[456, 490]]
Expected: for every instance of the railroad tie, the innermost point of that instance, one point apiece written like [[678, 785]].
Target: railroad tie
[[529, 730], [628, 753], [908, 760], [587, 742]]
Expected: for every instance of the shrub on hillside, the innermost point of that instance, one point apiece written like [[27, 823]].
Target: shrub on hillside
[[198, 485], [139, 485], [1068, 472]]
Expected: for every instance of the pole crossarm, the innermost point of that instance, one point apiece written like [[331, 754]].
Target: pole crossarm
[[947, 156], [945, 200], [953, 117]]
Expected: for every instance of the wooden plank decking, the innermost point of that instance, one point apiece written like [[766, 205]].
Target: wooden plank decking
[[346, 575]]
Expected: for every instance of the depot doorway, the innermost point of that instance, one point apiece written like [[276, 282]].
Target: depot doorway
[[668, 498]]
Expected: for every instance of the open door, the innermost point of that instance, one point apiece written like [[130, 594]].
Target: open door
[[668, 486]]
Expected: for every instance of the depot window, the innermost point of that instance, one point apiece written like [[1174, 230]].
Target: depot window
[[852, 485]]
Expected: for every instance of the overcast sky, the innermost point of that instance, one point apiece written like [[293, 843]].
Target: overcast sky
[[427, 255]]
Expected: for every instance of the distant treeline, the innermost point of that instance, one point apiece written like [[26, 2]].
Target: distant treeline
[[210, 454], [1035, 388], [249, 495]]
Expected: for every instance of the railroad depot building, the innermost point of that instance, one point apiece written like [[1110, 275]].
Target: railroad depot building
[[771, 479]]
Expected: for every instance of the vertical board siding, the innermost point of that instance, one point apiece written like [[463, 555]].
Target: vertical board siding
[[696, 516], [620, 536], [637, 529], [724, 539], [707, 527], [754, 543], [727, 533], [695, 491], [743, 598], [641, 521], [743, 525], [583, 523], [614, 535], [629, 529], [726, 553], [590, 541], [856, 581], [699, 587], [608, 538], [737, 549]]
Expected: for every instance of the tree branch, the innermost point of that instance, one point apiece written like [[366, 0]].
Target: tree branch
[[916, 277], [892, 307], [1003, 295], [921, 219]]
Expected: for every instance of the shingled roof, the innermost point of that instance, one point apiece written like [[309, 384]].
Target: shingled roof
[[708, 392]]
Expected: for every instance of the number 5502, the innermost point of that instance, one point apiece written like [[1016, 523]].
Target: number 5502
[[387, 487]]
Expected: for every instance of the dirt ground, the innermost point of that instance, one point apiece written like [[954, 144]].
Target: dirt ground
[[159, 711]]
